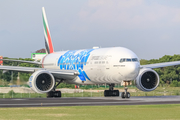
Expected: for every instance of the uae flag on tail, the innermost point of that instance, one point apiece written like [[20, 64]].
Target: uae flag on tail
[[48, 41]]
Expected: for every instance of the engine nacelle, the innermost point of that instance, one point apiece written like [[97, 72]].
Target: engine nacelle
[[147, 80], [42, 81]]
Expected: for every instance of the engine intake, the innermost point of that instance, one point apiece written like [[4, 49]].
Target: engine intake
[[147, 80], [42, 81]]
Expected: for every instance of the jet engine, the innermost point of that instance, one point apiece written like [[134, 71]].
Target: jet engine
[[42, 81], [147, 80]]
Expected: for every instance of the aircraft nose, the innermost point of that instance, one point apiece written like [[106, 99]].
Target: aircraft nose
[[133, 67], [132, 70]]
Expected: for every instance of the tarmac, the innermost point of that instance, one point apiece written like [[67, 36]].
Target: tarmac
[[89, 101]]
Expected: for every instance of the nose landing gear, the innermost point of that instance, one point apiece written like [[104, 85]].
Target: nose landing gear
[[125, 94]]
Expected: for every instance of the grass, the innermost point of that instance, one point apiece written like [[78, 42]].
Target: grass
[[134, 112]]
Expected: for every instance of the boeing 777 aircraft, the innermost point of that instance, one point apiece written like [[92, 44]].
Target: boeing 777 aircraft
[[89, 66]]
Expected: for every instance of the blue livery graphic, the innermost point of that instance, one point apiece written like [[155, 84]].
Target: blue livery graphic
[[30, 84], [74, 60], [30, 80]]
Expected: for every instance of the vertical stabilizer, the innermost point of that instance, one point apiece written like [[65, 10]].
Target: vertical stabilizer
[[48, 41]]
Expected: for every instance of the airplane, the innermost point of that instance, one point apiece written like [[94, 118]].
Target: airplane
[[89, 66]]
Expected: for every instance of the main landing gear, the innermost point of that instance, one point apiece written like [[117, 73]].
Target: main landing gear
[[54, 93], [111, 92]]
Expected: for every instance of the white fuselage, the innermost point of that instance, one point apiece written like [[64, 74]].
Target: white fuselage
[[101, 65]]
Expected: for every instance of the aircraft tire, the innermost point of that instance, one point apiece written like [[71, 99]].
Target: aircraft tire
[[123, 95], [49, 94], [53, 94], [57, 94], [115, 93], [106, 93], [128, 95]]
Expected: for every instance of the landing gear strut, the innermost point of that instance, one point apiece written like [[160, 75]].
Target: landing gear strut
[[54, 93], [111, 92], [125, 94]]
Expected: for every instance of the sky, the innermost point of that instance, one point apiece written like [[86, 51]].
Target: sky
[[150, 28]]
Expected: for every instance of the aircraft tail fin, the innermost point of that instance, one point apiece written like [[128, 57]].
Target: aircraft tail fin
[[48, 41]]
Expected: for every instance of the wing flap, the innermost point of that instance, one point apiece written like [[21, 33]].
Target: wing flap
[[64, 74]]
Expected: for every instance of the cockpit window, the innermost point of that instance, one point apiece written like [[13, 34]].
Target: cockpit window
[[128, 60], [123, 60], [134, 59]]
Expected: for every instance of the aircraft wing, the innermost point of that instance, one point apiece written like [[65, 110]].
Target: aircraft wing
[[20, 69], [61, 74], [32, 62], [160, 65]]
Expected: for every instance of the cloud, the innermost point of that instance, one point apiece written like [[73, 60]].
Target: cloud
[[129, 14]]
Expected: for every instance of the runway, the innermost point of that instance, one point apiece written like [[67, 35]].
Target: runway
[[88, 101]]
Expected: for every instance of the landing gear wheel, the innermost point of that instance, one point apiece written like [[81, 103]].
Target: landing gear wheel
[[57, 94], [54, 94], [106, 93], [127, 95], [49, 94], [123, 95], [111, 92], [115, 92]]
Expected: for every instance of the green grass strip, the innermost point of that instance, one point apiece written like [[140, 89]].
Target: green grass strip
[[126, 112]]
